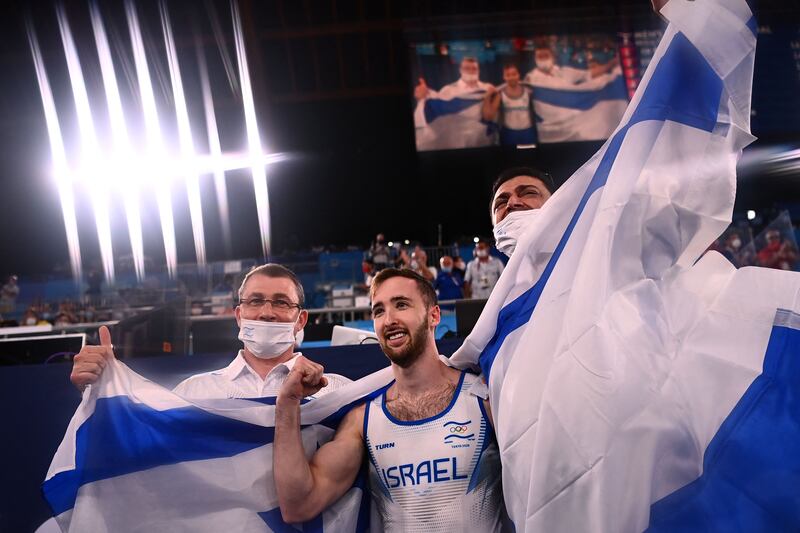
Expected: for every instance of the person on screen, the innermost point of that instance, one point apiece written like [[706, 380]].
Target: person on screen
[[452, 117], [575, 104], [510, 106], [271, 318]]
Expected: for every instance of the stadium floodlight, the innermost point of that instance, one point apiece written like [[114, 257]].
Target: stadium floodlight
[[89, 147], [156, 159], [751, 214], [122, 148], [184, 138], [60, 168], [253, 136]]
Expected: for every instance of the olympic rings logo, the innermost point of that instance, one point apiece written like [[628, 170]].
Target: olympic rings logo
[[458, 429]]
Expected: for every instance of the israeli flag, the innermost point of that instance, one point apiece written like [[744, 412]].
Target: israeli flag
[[452, 118], [632, 384], [137, 457], [571, 106]]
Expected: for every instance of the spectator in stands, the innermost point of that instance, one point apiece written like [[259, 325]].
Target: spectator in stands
[[271, 318], [29, 318], [8, 295], [63, 319], [403, 259], [778, 253], [380, 254], [449, 284], [459, 266], [368, 269], [482, 272], [419, 264]]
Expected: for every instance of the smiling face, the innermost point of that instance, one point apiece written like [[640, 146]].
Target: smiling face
[[511, 76], [403, 322], [520, 193]]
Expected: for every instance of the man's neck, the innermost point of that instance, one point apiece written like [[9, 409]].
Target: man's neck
[[513, 90], [262, 367], [427, 373], [483, 259]]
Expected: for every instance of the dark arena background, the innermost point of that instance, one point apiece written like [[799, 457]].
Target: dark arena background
[[284, 131]]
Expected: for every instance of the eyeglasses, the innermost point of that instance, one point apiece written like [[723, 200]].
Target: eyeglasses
[[279, 304]]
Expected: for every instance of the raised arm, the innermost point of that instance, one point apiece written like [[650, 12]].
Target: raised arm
[[491, 105], [305, 488]]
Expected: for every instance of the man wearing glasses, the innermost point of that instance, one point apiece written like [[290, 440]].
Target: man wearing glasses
[[271, 318]]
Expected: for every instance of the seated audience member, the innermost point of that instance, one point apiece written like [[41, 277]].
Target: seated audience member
[[271, 318], [29, 318], [449, 284]]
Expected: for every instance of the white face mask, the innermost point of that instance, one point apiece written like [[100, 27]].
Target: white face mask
[[482, 253], [267, 340], [469, 77], [508, 231], [545, 64]]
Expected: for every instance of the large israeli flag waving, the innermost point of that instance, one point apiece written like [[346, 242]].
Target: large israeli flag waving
[[137, 457], [632, 384]]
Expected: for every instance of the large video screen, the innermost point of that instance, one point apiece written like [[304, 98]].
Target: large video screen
[[520, 91]]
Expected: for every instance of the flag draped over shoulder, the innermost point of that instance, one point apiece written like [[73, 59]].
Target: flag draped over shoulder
[[624, 372], [137, 457]]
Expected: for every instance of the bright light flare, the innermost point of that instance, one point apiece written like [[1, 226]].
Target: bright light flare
[[253, 137], [154, 138], [184, 138], [89, 147], [122, 147], [60, 167], [215, 148]]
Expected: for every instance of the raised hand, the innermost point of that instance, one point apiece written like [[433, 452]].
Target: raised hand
[[305, 379], [421, 90], [90, 362]]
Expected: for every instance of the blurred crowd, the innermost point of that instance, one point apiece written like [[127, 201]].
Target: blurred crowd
[[773, 246], [451, 276]]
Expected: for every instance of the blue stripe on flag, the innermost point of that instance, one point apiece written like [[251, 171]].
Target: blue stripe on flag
[[751, 468], [684, 89], [435, 108], [581, 99], [123, 437]]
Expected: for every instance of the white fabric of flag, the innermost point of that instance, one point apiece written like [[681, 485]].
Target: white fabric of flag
[[613, 355], [572, 106], [137, 457], [451, 118]]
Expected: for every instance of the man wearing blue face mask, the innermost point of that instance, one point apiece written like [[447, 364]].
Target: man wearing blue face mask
[[271, 318]]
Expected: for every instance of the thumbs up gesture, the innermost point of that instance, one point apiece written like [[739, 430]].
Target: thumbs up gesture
[[421, 90], [90, 362]]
